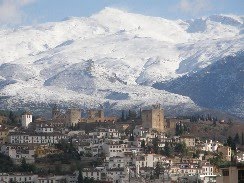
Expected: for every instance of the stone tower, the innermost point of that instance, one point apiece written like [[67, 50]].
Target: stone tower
[[73, 116], [94, 113], [26, 119], [55, 112], [153, 118]]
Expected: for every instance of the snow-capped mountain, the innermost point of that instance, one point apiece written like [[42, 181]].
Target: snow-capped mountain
[[113, 57], [218, 86]]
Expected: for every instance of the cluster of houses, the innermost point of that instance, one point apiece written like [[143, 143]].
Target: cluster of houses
[[124, 154], [34, 178]]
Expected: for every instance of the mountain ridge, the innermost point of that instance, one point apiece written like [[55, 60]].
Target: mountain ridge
[[112, 54]]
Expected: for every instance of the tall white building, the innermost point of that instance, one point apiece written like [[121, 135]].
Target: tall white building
[[26, 119]]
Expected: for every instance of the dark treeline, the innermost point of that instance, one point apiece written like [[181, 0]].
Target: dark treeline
[[130, 115], [198, 117]]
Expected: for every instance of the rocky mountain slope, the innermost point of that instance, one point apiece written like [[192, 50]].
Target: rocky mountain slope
[[112, 58], [219, 86]]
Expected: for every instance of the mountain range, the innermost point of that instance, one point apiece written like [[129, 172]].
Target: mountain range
[[123, 60]]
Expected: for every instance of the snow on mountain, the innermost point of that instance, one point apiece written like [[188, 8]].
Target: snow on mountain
[[113, 56], [219, 86]]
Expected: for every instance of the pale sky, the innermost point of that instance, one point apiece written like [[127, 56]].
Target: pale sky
[[27, 12]]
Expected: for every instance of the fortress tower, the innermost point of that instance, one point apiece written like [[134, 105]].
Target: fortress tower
[[55, 112], [73, 116], [153, 118], [26, 119]]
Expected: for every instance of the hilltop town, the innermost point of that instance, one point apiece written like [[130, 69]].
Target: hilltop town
[[75, 146]]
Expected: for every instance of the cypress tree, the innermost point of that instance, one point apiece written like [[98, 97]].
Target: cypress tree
[[242, 139], [123, 115], [237, 139]]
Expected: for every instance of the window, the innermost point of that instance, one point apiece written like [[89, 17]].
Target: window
[[240, 175], [225, 172]]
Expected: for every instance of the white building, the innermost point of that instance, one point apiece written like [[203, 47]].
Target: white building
[[207, 173], [44, 128], [97, 173], [105, 133], [186, 169], [18, 177], [35, 138], [18, 152], [31, 178], [115, 175], [114, 162], [139, 131], [240, 158], [210, 146], [114, 149], [150, 160], [26, 119]]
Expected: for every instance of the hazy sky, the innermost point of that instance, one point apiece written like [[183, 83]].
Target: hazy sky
[[24, 12]]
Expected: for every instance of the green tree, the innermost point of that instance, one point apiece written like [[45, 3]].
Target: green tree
[[143, 144], [168, 150], [132, 114], [155, 145], [181, 149], [157, 170], [242, 139], [131, 138], [24, 167], [6, 164], [229, 141], [237, 139], [123, 115], [180, 129], [196, 154], [80, 177]]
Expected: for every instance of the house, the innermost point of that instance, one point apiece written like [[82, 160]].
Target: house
[[150, 160], [97, 173], [231, 174], [52, 178], [114, 162], [3, 134], [115, 174], [187, 169], [139, 131], [210, 146], [188, 140], [207, 173], [76, 133], [19, 152], [44, 128], [225, 151], [3, 119], [114, 149], [22, 137], [45, 150], [102, 133], [18, 177]]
